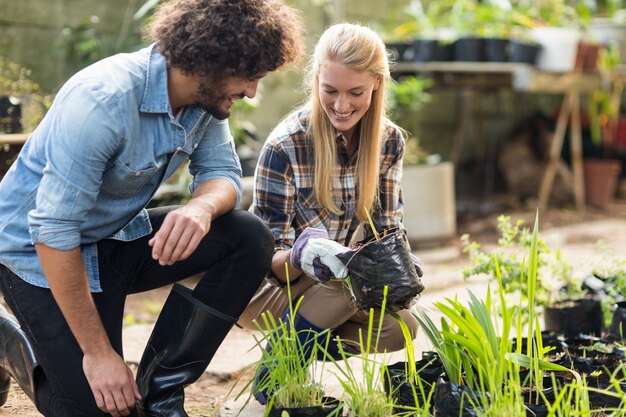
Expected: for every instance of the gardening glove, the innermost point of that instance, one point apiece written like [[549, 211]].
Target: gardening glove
[[418, 265], [316, 255]]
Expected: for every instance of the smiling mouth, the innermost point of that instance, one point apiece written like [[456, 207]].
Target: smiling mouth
[[342, 115]]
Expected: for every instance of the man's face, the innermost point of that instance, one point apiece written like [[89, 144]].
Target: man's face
[[217, 97]]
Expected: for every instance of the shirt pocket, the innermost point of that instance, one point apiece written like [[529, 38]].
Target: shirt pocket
[[124, 180]]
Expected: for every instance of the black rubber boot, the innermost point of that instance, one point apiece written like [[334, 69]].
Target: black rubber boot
[[183, 342], [17, 358]]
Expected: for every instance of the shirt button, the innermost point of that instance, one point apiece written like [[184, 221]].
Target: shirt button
[[195, 145], [137, 174], [179, 148]]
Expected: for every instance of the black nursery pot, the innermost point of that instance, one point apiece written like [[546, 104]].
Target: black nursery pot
[[617, 330], [398, 50], [408, 394], [469, 49], [428, 50], [451, 400], [523, 52], [380, 263], [496, 49], [330, 406], [575, 317]]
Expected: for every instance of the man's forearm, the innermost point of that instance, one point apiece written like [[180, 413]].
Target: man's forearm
[[216, 197], [66, 275]]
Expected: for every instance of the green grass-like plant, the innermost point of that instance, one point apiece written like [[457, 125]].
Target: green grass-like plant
[[293, 380], [364, 394]]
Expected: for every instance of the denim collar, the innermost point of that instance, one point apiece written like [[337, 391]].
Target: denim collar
[[155, 98]]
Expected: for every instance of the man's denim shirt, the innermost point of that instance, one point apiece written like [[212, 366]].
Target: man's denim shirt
[[106, 144]]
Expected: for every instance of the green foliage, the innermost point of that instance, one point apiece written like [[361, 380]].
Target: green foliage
[[364, 394], [611, 269], [406, 98], [240, 127], [422, 19], [17, 82], [421, 398], [288, 372], [555, 280]]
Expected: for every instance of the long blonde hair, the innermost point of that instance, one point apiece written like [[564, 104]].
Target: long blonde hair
[[359, 49]]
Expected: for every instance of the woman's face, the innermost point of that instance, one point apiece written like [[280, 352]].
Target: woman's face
[[345, 95]]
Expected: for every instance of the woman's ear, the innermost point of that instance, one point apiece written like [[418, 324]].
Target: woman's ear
[[377, 81]]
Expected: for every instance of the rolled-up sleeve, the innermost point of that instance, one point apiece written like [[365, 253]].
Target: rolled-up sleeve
[[80, 140], [215, 157]]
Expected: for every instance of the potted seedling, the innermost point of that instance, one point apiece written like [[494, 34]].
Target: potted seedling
[[560, 294], [411, 383], [364, 395], [292, 380]]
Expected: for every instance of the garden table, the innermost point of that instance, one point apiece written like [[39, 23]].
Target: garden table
[[472, 78]]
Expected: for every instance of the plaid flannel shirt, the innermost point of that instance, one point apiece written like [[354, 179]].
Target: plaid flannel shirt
[[284, 194]]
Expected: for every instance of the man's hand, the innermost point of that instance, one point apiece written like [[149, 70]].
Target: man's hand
[[316, 255], [112, 383], [179, 235]]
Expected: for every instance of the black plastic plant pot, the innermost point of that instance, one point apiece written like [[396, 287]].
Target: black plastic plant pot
[[469, 49], [398, 50], [588, 362], [523, 52], [410, 394], [603, 399], [330, 406], [451, 400], [423, 50], [379, 263], [575, 317], [445, 51], [495, 49], [617, 330]]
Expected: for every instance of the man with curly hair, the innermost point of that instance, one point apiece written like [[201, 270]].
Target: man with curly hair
[[76, 237]]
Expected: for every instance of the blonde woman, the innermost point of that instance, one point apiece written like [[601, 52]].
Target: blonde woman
[[323, 168]]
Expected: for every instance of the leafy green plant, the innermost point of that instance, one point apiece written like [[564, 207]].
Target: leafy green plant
[[406, 98], [555, 280], [474, 352], [422, 390], [18, 83], [423, 19], [611, 270], [363, 393], [294, 379], [603, 105]]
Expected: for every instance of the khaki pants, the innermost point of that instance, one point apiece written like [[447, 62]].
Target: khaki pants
[[328, 306]]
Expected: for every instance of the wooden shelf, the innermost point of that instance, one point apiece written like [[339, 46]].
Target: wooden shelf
[[489, 75], [13, 138]]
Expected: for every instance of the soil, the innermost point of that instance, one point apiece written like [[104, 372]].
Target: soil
[[204, 398]]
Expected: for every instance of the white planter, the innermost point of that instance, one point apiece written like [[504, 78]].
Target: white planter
[[429, 202], [558, 48]]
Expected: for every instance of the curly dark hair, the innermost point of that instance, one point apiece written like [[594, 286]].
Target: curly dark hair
[[222, 38]]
